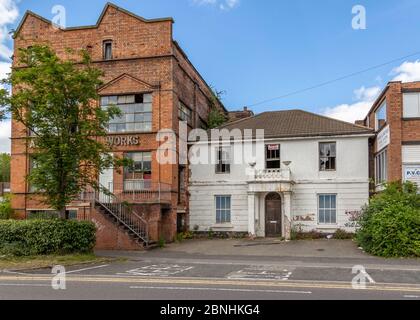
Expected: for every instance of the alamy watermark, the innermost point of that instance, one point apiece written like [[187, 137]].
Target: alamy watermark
[[359, 21]]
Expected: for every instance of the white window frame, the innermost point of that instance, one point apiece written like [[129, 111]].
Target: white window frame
[[405, 113], [381, 167], [225, 211], [382, 106], [330, 209], [225, 161]]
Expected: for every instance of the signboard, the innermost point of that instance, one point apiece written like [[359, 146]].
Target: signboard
[[412, 173], [383, 139], [273, 147], [123, 141]]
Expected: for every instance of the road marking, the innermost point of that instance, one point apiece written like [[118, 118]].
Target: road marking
[[162, 270], [218, 281], [411, 297], [86, 269], [261, 273], [221, 289], [23, 285]]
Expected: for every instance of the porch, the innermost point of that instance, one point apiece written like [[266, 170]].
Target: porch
[[270, 203]]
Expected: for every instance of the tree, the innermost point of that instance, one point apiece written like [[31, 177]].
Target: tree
[[216, 116], [5, 167], [56, 100]]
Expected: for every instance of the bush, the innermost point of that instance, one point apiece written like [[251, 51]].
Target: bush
[[390, 224], [41, 237], [5, 208]]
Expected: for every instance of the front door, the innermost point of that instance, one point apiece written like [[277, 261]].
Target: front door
[[273, 215]]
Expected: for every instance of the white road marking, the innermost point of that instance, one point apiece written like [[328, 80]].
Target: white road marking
[[23, 285], [86, 269], [162, 270], [411, 297], [221, 289], [261, 273]]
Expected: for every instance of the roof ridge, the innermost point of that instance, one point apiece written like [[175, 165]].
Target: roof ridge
[[240, 120]]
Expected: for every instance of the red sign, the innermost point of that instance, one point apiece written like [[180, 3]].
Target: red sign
[[273, 147]]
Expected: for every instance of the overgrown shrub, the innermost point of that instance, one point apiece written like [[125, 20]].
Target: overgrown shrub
[[5, 208], [40, 237], [390, 224]]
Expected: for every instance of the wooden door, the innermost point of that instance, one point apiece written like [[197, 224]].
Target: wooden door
[[273, 227]]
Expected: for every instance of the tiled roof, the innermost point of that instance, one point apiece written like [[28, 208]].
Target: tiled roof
[[296, 123]]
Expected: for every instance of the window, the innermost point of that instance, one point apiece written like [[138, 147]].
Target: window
[[411, 105], [381, 163], [380, 116], [272, 156], [136, 113], [185, 113], [107, 50], [138, 176], [223, 160], [327, 209], [327, 156], [223, 209]]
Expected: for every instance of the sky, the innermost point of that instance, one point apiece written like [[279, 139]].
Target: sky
[[300, 52]]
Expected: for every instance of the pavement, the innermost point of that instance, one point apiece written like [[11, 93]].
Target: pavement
[[265, 269]]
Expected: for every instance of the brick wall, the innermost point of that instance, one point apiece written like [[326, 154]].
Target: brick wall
[[145, 60], [402, 130]]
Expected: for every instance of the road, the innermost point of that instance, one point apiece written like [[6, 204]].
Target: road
[[173, 276]]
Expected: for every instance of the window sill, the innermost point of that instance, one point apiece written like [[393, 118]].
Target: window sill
[[223, 226], [327, 226]]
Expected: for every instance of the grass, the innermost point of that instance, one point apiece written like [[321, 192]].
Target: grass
[[35, 262]]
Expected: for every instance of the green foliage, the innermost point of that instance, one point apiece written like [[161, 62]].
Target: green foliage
[[187, 235], [216, 119], [216, 115], [57, 101], [161, 243], [6, 211], [341, 234], [390, 224], [5, 167], [41, 237]]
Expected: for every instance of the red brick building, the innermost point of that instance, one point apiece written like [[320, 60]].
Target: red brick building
[[395, 151], [150, 78]]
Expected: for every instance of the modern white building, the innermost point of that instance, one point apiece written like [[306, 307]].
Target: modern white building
[[309, 172]]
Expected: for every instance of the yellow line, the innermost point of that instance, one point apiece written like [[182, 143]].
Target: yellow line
[[216, 282]]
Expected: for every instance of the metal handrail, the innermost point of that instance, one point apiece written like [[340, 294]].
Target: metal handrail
[[120, 210], [123, 212], [143, 191]]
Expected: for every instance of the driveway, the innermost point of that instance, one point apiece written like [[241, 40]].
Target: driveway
[[269, 248]]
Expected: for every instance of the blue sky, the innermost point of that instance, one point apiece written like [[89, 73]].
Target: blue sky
[[259, 49]]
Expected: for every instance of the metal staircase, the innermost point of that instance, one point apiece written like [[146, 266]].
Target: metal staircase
[[123, 213]]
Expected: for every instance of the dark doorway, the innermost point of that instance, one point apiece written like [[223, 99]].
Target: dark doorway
[[273, 215]]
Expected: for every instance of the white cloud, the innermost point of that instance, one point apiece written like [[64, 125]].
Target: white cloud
[[358, 110], [9, 11], [5, 132], [222, 4], [407, 72], [9, 14]]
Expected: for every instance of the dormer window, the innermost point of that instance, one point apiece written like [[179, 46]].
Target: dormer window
[[107, 50]]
